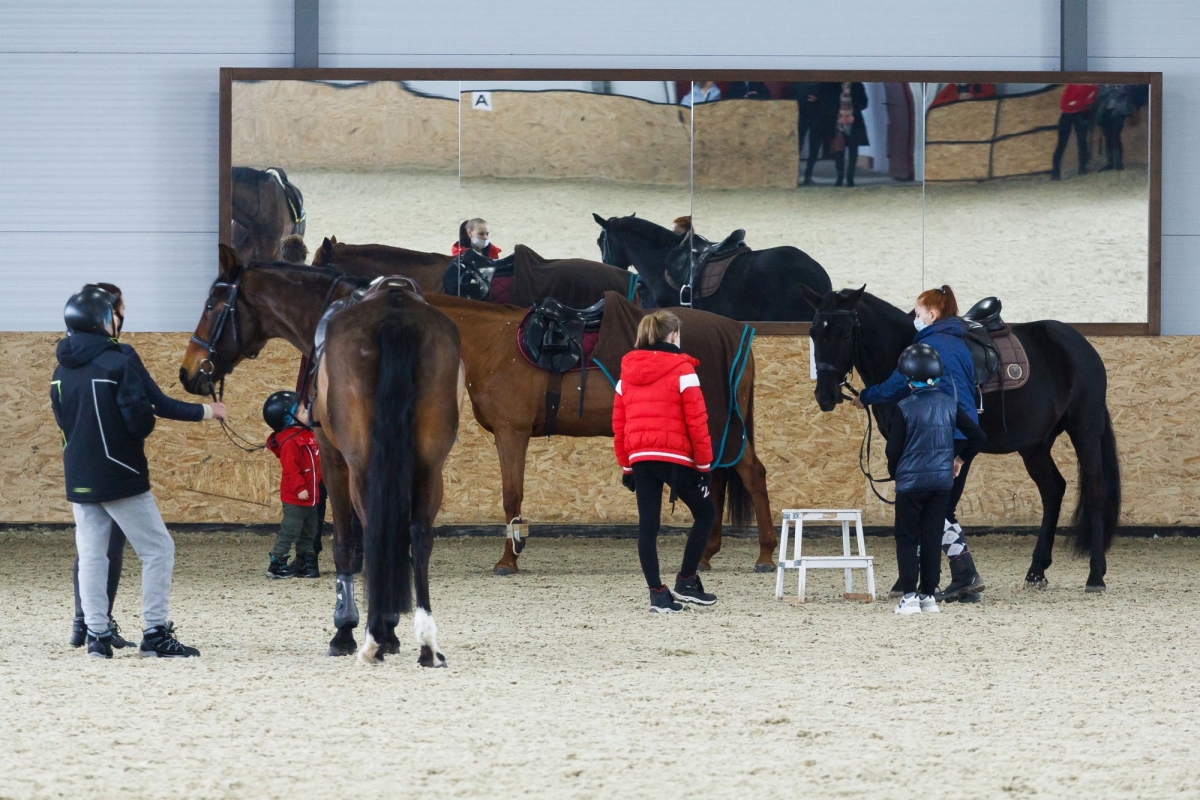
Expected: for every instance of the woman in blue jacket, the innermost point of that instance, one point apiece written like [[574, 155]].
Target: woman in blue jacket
[[937, 323]]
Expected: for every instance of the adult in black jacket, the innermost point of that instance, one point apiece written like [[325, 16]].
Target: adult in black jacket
[[850, 124], [102, 404], [817, 109], [920, 453], [748, 90]]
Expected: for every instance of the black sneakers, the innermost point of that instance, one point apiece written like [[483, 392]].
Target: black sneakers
[[306, 566], [690, 590], [99, 646], [160, 642], [279, 568], [79, 634], [661, 602]]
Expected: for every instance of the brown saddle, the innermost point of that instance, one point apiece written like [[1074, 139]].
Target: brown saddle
[[1000, 359]]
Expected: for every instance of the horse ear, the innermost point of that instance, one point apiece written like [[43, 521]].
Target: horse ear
[[812, 296], [855, 296], [332, 240], [229, 264], [601, 221]]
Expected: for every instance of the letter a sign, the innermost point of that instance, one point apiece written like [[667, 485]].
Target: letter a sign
[[481, 101]]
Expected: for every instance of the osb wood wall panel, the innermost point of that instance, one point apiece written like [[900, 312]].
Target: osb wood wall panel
[[541, 135], [811, 458]]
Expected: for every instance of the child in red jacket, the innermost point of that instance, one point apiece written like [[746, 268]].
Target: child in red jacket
[[1076, 107], [660, 434], [294, 444]]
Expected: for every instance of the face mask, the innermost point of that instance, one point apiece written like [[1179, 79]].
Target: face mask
[[480, 244], [919, 324]]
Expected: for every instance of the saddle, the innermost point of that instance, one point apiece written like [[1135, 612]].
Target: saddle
[[696, 266], [556, 339], [295, 200], [1000, 359], [470, 274]]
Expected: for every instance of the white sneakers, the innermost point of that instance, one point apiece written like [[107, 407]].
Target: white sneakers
[[911, 604]]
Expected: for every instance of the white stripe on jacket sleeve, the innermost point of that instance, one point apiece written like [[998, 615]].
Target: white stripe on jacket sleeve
[[619, 388], [691, 379]]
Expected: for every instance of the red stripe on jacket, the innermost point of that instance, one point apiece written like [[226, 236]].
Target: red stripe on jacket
[[298, 454], [659, 412]]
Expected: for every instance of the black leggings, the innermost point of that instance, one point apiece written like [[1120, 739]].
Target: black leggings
[[649, 478], [116, 558], [960, 482], [1077, 121], [919, 519]]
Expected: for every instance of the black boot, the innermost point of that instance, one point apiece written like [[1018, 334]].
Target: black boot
[[306, 566], [964, 578], [279, 568], [78, 632]]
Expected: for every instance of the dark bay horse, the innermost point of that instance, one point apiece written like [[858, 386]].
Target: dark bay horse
[[760, 286], [1065, 393], [507, 392], [266, 208], [373, 260], [387, 401]]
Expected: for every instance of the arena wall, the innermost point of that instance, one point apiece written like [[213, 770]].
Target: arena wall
[[541, 135], [811, 458]]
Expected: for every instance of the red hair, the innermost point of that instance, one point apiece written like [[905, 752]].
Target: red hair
[[941, 301]]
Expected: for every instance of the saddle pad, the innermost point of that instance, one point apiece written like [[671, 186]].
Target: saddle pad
[[1014, 363], [589, 344], [501, 289], [714, 272]]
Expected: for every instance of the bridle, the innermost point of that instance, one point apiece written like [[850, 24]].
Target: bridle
[[843, 375]]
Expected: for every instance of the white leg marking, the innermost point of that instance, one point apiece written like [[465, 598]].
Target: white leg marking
[[425, 629], [366, 654]]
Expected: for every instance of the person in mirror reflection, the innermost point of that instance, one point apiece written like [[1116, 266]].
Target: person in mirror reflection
[[1076, 107], [293, 249], [660, 437], [474, 234], [748, 90], [937, 323], [852, 128], [702, 92], [1115, 103], [682, 225], [817, 111]]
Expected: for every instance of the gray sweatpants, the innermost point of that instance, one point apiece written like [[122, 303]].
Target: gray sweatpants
[[144, 527]]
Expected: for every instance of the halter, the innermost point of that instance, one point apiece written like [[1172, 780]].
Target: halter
[[864, 447]]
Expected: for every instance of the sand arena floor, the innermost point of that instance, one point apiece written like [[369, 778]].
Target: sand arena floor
[[1074, 250], [561, 684]]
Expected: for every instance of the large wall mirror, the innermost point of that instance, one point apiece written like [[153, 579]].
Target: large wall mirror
[[729, 195]]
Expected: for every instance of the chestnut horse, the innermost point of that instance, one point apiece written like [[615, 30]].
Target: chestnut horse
[[387, 401], [373, 260], [507, 393]]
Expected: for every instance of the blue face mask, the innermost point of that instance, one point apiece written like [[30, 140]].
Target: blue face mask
[[919, 324]]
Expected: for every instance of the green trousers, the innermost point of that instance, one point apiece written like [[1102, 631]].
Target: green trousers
[[299, 527]]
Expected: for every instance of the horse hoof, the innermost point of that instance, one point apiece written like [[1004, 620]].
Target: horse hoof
[[439, 663], [704, 566], [391, 648], [504, 569], [1036, 583], [342, 648], [1090, 589], [767, 566]]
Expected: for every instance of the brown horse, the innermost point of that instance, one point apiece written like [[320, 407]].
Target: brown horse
[[387, 400], [373, 260], [266, 208], [509, 402]]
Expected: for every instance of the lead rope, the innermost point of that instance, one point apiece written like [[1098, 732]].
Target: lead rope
[[864, 450], [230, 434]]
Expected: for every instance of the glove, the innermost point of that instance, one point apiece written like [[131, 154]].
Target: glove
[[627, 481]]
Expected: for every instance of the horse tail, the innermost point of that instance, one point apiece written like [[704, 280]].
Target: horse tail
[[389, 482], [1109, 513], [737, 497]]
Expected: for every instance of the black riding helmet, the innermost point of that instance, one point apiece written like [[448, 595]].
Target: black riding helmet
[[90, 310], [921, 364], [279, 410]]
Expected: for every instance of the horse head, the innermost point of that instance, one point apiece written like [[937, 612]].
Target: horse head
[[323, 255], [226, 332], [612, 249], [834, 339]]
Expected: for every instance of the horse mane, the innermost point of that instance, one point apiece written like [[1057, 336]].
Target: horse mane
[[654, 233], [890, 313]]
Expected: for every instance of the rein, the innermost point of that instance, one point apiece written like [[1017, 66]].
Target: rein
[[864, 447]]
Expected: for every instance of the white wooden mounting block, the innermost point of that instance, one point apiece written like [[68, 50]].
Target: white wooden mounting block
[[794, 519]]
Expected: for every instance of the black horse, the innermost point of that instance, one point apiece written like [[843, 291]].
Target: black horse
[[759, 286], [1065, 392], [266, 208]]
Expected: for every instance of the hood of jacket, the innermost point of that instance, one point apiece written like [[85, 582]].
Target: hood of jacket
[[951, 326], [643, 367], [80, 349], [276, 441]]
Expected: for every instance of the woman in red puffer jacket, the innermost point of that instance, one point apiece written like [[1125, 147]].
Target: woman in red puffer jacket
[[660, 434]]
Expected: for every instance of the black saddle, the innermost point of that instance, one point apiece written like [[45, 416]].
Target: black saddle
[[987, 313], [552, 333], [686, 262], [470, 274]]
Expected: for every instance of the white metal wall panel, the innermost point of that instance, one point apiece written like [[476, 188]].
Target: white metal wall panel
[[922, 34]]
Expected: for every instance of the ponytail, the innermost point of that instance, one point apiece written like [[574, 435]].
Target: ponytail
[[940, 300], [656, 327]]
